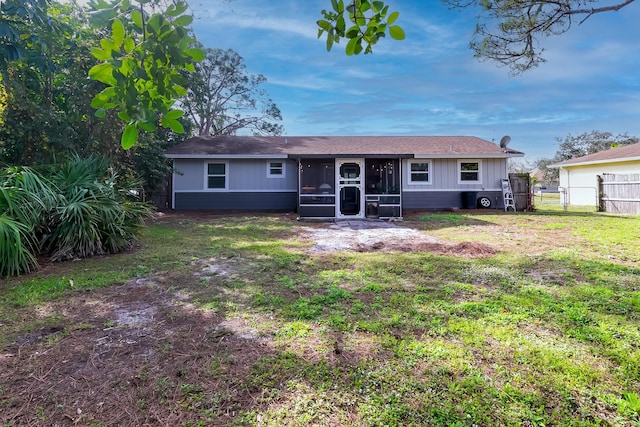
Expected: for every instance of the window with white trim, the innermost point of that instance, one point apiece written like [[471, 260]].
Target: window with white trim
[[217, 176], [275, 169], [469, 171], [419, 172]]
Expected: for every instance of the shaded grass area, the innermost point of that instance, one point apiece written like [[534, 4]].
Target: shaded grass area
[[547, 332]]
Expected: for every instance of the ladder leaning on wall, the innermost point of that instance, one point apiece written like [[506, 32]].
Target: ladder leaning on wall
[[507, 195]]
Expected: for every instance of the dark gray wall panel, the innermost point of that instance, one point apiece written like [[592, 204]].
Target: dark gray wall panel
[[259, 201], [389, 211], [444, 199], [308, 211], [431, 199]]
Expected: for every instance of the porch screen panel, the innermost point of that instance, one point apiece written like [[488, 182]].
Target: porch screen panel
[[382, 176], [317, 176], [317, 182]]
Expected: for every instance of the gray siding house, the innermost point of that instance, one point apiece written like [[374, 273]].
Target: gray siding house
[[338, 176]]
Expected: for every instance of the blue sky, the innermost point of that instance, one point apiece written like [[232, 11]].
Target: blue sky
[[430, 83]]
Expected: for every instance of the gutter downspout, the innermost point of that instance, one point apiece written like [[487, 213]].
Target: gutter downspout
[[173, 179]]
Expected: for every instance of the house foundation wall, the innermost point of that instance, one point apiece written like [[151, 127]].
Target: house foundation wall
[[243, 201], [446, 199]]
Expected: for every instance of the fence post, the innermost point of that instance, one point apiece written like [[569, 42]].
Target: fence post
[[564, 198], [599, 204]]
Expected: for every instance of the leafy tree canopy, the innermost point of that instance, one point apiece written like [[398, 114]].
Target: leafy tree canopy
[[19, 24], [141, 60]]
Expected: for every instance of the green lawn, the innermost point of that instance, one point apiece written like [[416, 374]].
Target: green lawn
[[546, 332]]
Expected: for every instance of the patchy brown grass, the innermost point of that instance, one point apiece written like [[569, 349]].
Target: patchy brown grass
[[212, 334], [125, 355]]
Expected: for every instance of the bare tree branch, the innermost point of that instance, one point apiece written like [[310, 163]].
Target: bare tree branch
[[508, 31], [223, 98]]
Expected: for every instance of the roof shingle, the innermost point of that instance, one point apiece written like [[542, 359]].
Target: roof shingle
[[438, 146]]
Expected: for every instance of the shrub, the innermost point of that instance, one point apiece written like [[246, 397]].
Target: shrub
[[96, 214], [25, 198], [82, 210]]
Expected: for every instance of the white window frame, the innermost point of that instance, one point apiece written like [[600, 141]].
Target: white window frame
[[271, 175], [429, 181], [460, 180], [226, 175]]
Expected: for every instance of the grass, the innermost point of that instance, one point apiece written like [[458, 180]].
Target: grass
[[546, 332], [553, 202]]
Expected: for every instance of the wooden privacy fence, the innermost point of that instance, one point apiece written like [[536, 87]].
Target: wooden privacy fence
[[521, 189], [619, 193]]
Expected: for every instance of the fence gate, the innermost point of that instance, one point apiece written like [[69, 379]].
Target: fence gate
[[521, 188], [161, 198], [619, 193]]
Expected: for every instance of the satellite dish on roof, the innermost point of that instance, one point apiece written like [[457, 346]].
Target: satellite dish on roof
[[505, 141]]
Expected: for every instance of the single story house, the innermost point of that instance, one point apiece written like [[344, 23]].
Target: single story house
[[578, 176], [338, 176]]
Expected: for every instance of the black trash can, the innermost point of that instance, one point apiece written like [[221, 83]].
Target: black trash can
[[469, 199]]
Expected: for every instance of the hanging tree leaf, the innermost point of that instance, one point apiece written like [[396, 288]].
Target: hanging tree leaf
[[369, 22], [141, 62]]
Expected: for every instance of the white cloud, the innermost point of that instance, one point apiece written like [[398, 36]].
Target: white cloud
[[252, 15], [430, 83]]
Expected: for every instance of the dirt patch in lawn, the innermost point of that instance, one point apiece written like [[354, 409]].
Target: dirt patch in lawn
[[376, 235], [360, 235], [134, 354]]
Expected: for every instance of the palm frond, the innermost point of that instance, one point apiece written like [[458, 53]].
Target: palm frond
[[16, 247]]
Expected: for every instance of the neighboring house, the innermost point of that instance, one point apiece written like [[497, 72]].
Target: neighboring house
[[540, 183], [338, 176], [578, 177]]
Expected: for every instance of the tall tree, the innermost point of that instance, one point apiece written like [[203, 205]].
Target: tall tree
[[548, 174], [46, 112], [223, 97], [45, 104], [518, 166]]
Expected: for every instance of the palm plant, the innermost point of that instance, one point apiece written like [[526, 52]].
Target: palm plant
[[25, 198], [81, 211], [96, 214]]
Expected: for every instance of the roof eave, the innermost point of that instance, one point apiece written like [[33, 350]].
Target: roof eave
[[226, 156], [318, 155], [595, 162]]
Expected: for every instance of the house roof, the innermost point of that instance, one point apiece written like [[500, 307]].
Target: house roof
[[620, 154], [537, 174], [340, 146]]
